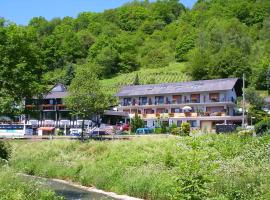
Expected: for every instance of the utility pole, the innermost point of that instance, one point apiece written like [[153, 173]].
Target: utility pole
[[243, 103]]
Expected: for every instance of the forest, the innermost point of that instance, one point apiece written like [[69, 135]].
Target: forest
[[214, 39]]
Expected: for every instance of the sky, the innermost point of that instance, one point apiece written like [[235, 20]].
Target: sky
[[21, 11]]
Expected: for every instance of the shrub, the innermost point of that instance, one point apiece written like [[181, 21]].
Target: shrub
[[136, 123], [175, 131], [164, 128], [262, 127], [245, 133], [5, 150], [158, 130], [185, 129]]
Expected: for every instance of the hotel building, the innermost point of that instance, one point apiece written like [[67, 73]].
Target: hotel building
[[203, 104]]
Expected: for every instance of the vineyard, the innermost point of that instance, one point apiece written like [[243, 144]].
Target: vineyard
[[175, 72]]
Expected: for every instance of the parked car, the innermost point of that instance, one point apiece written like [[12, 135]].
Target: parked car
[[122, 127], [142, 131]]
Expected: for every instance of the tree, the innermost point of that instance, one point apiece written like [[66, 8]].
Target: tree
[[85, 97], [136, 80], [136, 123], [20, 68], [69, 75], [254, 98]]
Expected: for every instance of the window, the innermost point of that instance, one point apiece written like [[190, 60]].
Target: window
[[177, 99], [193, 123], [127, 101], [179, 122], [159, 100], [176, 110], [142, 100], [195, 98], [214, 97], [161, 110]]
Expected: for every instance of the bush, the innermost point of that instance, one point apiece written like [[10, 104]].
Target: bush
[[157, 130], [136, 123], [185, 129], [175, 131], [164, 128], [245, 133], [5, 150], [262, 127]]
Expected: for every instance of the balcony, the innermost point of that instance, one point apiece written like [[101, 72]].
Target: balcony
[[30, 107], [183, 115], [193, 100], [48, 107], [61, 107]]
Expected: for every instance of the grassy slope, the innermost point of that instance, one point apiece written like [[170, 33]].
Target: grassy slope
[[213, 166], [172, 73], [13, 187]]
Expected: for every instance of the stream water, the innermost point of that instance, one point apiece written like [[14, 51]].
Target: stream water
[[68, 191]]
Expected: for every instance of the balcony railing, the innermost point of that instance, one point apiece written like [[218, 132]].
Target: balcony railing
[[61, 107], [31, 107], [47, 107], [182, 115], [188, 101]]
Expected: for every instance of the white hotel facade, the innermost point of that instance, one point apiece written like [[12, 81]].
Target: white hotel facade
[[201, 103]]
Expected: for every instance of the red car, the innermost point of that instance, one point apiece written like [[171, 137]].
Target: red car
[[122, 127]]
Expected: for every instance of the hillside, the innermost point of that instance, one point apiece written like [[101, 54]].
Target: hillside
[[175, 72], [217, 38]]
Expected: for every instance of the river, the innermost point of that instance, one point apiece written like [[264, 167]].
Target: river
[[68, 191]]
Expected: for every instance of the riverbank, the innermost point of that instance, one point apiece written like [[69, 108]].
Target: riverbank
[[210, 166], [13, 186], [68, 185]]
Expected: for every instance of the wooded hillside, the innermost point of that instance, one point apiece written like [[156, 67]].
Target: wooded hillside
[[215, 39]]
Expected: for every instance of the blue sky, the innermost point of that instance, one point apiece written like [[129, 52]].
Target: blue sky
[[21, 11]]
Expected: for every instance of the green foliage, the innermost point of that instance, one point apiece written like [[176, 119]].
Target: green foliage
[[263, 127], [171, 73], [185, 129], [136, 123], [205, 167], [217, 39], [164, 127], [136, 80], [175, 131], [245, 133], [185, 44], [157, 130], [85, 96], [15, 187], [5, 150], [257, 114], [254, 98]]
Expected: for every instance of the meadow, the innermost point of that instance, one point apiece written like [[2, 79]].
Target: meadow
[[206, 167]]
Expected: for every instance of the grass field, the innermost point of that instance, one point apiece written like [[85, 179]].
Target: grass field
[[207, 167], [172, 73]]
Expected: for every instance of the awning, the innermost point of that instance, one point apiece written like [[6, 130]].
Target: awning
[[46, 128]]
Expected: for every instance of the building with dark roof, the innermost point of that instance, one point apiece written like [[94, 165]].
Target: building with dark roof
[[49, 110], [201, 103]]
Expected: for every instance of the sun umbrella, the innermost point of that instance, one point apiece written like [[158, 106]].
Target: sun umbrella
[[187, 108]]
